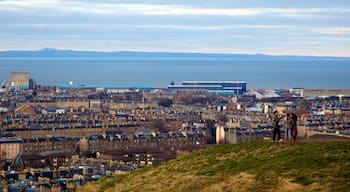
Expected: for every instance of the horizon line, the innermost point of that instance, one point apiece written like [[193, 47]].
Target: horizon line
[[175, 52]]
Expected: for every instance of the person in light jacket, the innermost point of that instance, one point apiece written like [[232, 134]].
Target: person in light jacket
[[288, 125]]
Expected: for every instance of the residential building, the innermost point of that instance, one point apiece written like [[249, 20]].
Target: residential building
[[10, 147], [20, 80]]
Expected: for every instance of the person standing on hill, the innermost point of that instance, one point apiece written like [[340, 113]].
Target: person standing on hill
[[294, 128], [276, 127], [288, 125]]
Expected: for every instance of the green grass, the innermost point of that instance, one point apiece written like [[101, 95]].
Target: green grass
[[309, 166]]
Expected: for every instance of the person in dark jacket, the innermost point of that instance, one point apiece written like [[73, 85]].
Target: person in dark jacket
[[294, 128], [276, 127]]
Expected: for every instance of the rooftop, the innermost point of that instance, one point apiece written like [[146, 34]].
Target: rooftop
[[214, 82], [4, 140]]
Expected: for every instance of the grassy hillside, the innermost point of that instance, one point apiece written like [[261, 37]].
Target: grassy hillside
[[257, 166]]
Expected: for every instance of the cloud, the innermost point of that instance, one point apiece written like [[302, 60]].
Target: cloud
[[118, 9], [336, 31], [146, 26], [47, 6], [178, 25]]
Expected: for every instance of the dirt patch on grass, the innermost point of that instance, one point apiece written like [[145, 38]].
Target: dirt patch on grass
[[227, 156], [287, 186], [239, 183], [163, 182], [91, 187], [317, 187]]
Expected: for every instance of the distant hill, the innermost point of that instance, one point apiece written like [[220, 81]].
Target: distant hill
[[50, 52], [255, 166]]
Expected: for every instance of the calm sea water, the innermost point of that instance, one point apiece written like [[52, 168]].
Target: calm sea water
[[155, 72]]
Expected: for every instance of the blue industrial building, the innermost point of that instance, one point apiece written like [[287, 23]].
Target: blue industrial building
[[217, 87]]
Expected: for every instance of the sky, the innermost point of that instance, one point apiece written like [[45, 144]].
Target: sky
[[277, 27]]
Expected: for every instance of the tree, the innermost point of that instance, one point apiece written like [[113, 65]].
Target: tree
[[159, 124], [221, 117], [210, 125], [304, 104], [165, 102]]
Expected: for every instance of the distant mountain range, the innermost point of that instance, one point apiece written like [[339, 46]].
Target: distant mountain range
[[50, 52]]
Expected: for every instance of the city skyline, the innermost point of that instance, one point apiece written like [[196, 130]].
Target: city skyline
[[318, 28]]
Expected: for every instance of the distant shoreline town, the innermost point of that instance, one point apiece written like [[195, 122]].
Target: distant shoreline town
[[23, 81], [56, 137], [51, 52]]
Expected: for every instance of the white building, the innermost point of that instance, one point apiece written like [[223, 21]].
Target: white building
[[297, 91]]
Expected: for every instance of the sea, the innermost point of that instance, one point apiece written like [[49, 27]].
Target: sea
[[160, 72]]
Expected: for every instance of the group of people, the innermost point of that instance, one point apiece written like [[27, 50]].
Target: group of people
[[291, 130]]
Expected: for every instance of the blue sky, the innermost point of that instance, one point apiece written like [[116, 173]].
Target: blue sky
[[279, 27]]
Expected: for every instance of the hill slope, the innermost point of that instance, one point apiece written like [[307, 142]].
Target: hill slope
[[256, 166]]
